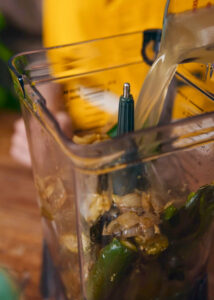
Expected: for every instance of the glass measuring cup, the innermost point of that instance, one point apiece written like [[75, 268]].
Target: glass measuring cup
[[187, 37], [134, 181]]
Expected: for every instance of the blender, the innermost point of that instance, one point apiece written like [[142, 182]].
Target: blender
[[128, 217]]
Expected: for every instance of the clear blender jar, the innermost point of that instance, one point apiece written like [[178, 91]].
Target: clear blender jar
[[128, 217]]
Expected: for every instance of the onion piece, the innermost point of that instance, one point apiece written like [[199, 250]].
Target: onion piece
[[99, 204], [146, 202], [132, 200], [130, 224]]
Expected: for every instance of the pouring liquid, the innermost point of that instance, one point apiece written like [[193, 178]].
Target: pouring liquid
[[187, 37]]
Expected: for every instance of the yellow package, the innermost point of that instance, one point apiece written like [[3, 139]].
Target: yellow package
[[74, 21]]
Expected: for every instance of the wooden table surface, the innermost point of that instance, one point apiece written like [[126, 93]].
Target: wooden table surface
[[20, 228]]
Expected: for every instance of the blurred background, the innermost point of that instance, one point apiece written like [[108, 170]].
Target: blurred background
[[20, 229]]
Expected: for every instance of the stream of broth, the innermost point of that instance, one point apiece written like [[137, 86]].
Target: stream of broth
[[187, 37]]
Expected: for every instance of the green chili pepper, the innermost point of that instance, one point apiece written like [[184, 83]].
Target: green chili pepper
[[113, 263], [169, 212], [184, 230], [202, 204], [192, 219]]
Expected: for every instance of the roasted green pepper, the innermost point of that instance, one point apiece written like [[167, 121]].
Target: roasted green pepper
[[113, 263], [184, 228], [169, 212], [192, 219]]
